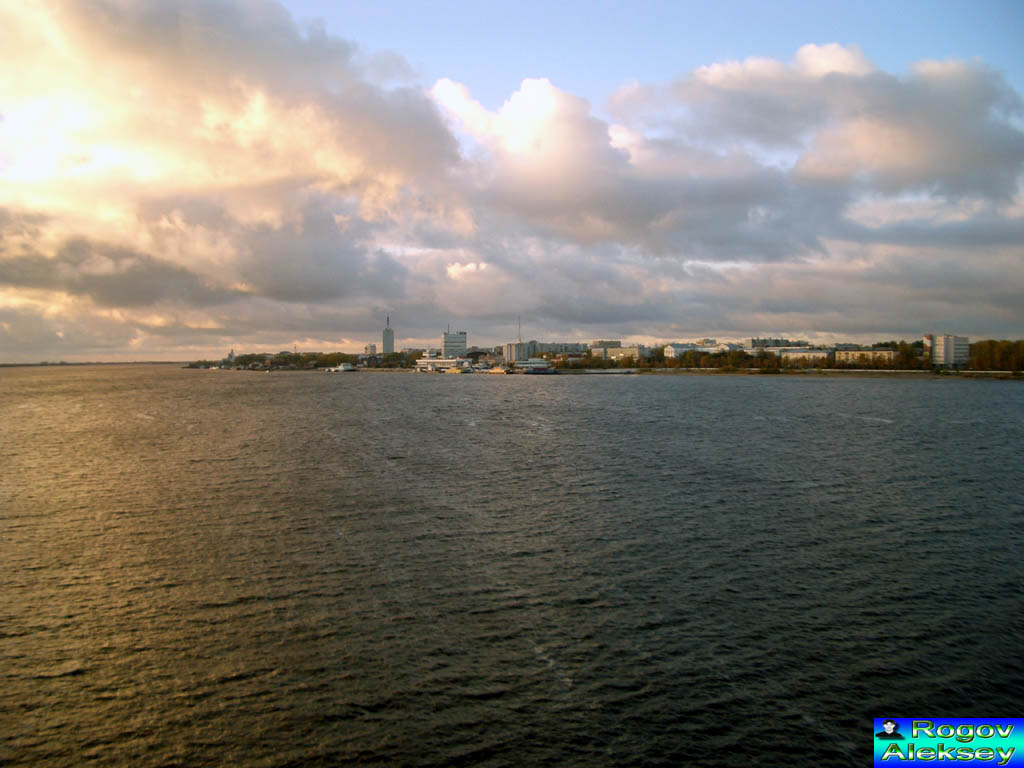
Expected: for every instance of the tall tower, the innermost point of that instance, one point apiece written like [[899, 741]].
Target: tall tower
[[389, 338]]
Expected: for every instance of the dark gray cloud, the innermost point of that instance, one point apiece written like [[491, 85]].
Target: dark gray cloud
[[323, 252], [110, 276], [986, 229], [20, 224], [309, 261]]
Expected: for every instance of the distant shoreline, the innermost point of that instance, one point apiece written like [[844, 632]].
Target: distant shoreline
[[810, 372], [833, 372], [858, 373], [92, 362]]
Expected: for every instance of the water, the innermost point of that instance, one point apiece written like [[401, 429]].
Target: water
[[214, 568]]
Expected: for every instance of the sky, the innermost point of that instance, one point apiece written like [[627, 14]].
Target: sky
[[178, 179]]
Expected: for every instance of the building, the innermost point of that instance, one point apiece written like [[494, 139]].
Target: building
[[370, 350], [604, 344], [453, 344], [673, 351], [758, 342], [514, 351], [704, 346], [389, 338], [561, 347], [804, 355], [619, 353], [432, 362], [866, 356], [949, 351]]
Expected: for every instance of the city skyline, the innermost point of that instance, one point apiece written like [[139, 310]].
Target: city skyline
[[446, 336], [180, 179]]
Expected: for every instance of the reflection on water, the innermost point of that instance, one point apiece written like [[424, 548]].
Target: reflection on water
[[218, 567]]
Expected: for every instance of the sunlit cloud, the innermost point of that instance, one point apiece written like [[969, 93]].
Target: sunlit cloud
[[205, 175], [458, 271]]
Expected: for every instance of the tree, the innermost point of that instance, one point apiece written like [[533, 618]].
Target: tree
[[992, 355]]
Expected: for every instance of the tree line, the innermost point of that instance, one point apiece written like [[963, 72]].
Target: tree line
[[311, 360], [989, 355], [992, 355]]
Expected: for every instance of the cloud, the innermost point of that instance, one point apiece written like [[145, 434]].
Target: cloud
[[763, 165], [110, 276], [196, 153], [946, 127], [818, 61], [189, 95], [555, 169], [177, 177]]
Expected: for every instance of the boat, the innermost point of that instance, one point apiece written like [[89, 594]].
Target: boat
[[431, 362], [343, 368], [535, 365]]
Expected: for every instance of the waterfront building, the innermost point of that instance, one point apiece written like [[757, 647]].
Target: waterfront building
[[370, 350], [949, 351], [618, 353], [559, 347], [388, 344], [804, 355], [673, 351], [514, 351], [453, 344], [704, 346], [758, 342], [873, 355]]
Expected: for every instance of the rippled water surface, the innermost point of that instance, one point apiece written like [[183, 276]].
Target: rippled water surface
[[213, 567]]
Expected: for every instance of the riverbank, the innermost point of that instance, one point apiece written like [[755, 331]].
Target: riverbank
[[852, 372], [812, 372]]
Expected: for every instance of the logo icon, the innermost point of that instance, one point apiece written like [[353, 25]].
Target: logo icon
[[889, 732]]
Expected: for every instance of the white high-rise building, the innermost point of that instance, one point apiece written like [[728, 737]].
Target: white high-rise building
[[453, 344], [516, 351], [949, 351], [389, 338]]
